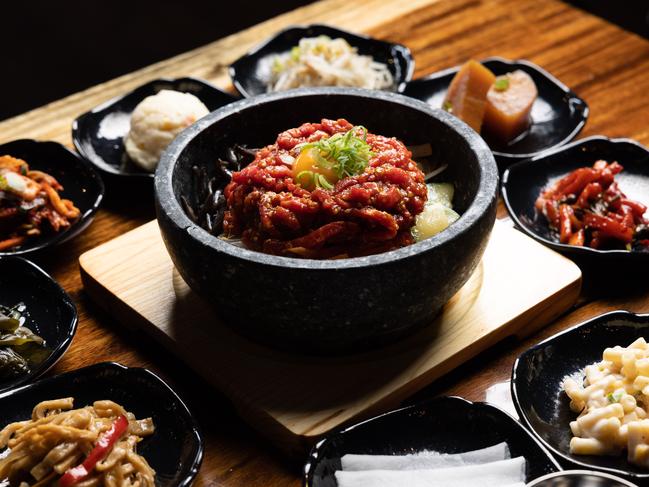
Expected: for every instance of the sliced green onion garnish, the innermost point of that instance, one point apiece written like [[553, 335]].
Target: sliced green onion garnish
[[501, 84]]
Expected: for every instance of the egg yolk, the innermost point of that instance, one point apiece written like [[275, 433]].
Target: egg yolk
[[307, 167]]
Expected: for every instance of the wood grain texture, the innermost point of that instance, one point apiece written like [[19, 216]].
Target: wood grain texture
[[295, 400], [602, 63]]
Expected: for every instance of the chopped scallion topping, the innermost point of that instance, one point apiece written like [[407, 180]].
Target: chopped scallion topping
[[309, 178], [448, 106], [501, 84], [347, 154]]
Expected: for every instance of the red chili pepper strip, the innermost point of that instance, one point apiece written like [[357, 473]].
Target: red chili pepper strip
[[578, 238], [98, 453], [638, 208], [585, 175], [590, 192], [615, 167], [609, 227], [552, 213], [565, 212]]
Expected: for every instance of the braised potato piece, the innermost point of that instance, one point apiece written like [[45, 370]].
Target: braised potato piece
[[467, 95], [509, 103]]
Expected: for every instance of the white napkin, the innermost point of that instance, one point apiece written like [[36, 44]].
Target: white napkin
[[495, 474], [424, 460]]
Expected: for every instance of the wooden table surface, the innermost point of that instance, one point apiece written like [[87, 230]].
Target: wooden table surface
[[602, 63]]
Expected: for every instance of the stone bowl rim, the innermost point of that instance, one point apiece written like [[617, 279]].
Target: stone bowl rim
[[481, 203]]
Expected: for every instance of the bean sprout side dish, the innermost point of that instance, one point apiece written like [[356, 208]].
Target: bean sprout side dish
[[322, 61]]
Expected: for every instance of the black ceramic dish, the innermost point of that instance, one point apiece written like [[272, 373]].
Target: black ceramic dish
[[250, 72], [288, 302], [81, 183], [174, 451], [444, 425], [98, 134], [537, 378], [523, 182], [557, 115], [579, 478], [52, 314]]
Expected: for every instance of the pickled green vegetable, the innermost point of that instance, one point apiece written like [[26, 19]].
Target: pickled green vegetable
[[11, 363], [20, 348]]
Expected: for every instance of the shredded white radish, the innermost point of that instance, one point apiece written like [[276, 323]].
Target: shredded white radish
[[322, 61]]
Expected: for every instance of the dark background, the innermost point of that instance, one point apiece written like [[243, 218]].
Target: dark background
[[50, 49]]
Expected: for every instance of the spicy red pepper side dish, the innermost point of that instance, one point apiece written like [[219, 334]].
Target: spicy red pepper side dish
[[587, 208], [326, 190]]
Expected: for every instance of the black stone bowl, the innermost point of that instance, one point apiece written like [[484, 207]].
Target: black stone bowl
[[537, 392], [98, 135], [558, 114], [81, 183], [523, 182], [174, 451], [443, 425], [52, 314], [250, 72], [328, 305]]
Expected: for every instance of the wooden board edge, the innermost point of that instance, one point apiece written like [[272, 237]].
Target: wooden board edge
[[280, 436], [530, 321]]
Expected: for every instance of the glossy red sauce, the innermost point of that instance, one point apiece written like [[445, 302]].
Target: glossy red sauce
[[363, 214]]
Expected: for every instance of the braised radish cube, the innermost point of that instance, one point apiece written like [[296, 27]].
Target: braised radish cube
[[467, 94], [509, 104]]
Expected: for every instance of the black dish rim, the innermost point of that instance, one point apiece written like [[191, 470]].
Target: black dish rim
[[195, 430], [479, 205], [571, 97], [314, 454], [578, 473], [559, 247], [403, 51], [641, 318], [89, 214], [106, 168], [58, 352]]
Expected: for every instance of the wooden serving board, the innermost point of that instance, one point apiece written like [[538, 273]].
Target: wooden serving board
[[518, 287]]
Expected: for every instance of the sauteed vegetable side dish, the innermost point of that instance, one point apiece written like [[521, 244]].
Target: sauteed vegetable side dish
[[324, 190], [587, 208], [91, 446], [20, 348], [30, 204]]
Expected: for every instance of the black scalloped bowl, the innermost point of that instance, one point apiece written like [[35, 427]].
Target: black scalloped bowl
[[98, 135], [329, 305], [523, 181], [81, 182], [444, 425], [174, 451], [580, 478], [538, 373], [250, 71], [558, 114], [52, 314]]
